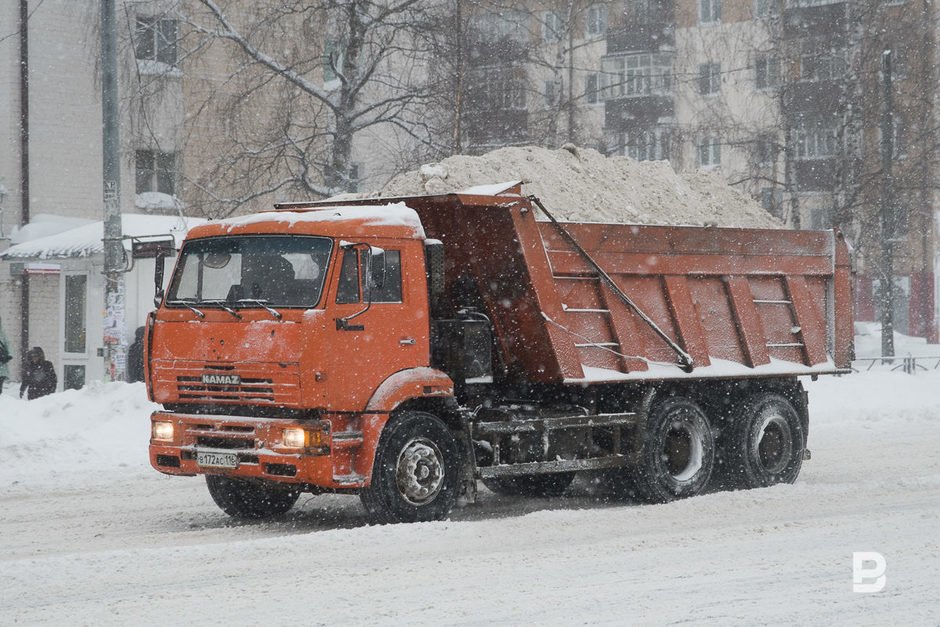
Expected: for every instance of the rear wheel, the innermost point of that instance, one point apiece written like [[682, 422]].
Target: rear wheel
[[240, 498], [677, 457], [763, 444], [416, 471], [531, 485]]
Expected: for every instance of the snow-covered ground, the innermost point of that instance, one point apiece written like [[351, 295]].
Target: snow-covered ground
[[89, 534]]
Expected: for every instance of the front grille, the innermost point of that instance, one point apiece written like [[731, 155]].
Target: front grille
[[259, 384], [223, 436], [224, 443], [192, 388]]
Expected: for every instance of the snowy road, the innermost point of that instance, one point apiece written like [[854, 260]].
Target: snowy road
[[133, 547]]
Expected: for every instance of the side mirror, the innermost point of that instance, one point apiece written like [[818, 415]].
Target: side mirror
[[158, 249]]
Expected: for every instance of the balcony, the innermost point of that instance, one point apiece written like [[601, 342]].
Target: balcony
[[641, 111], [642, 37], [828, 20]]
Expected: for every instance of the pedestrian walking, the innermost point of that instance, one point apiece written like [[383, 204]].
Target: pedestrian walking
[[38, 376], [5, 357]]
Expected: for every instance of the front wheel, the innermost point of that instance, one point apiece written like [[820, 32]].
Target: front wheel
[[677, 457], [240, 498], [416, 471]]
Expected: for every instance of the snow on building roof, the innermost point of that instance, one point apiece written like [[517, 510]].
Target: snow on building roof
[[44, 225], [86, 240]]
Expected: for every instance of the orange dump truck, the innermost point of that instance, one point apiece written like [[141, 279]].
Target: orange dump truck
[[404, 349]]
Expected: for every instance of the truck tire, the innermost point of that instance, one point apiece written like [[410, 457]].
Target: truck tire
[[763, 443], [250, 499], [678, 454], [415, 477], [531, 485]]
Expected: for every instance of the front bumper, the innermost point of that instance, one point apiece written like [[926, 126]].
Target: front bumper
[[256, 445]]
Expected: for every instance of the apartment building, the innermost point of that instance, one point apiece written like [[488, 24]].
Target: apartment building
[[784, 99]]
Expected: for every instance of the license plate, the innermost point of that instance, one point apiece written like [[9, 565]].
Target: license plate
[[218, 460]]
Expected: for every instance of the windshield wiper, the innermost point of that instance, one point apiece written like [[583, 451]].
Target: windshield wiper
[[221, 304], [188, 306], [261, 303]]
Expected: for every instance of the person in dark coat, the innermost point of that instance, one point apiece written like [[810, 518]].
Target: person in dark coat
[[135, 357], [38, 376]]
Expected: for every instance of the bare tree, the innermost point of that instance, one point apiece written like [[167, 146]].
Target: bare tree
[[291, 84]]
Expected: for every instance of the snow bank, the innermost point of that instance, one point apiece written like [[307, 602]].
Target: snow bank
[[582, 184], [75, 436], [868, 343]]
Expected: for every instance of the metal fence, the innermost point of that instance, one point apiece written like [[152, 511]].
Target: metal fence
[[909, 364]]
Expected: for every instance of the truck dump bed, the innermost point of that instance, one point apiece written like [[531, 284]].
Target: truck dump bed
[[740, 302]]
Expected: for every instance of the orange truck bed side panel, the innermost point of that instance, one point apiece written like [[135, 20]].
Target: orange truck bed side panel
[[742, 302]]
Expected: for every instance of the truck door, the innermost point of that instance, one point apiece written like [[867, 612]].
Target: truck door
[[390, 334]]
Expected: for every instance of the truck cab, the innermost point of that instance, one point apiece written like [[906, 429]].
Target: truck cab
[[283, 341]]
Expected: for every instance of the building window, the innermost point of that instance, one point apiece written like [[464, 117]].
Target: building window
[[155, 40], [73, 377], [648, 145], [771, 200], [590, 88], [156, 172], [552, 29], [549, 91], [765, 150], [820, 218], [332, 59], [816, 142], [503, 24], [709, 152], [709, 11], [76, 296], [899, 144], [636, 75], [709, 78], [766, 71], [597, 19], [639, 11], [767, 8], [818, 62], [497, 88]]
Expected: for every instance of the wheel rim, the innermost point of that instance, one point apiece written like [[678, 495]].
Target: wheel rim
[[683, 450], [773, 443], [420, 471]]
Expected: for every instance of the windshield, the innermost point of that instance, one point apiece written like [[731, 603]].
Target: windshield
[[251, 271]]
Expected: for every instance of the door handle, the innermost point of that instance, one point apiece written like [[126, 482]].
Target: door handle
[[407, 341]]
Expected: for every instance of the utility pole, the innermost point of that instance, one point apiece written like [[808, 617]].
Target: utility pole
[[457, 133], [888, 214], [115, 325]]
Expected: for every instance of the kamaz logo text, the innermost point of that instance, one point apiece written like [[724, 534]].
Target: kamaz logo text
[[221, 379]]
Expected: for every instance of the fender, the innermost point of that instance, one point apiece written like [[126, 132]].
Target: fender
[[407, 384], [400, 387]]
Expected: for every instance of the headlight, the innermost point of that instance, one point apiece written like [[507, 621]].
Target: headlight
[[294, 438], [162, 431]]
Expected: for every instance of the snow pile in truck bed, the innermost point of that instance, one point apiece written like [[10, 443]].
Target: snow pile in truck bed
[[582, 184]]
